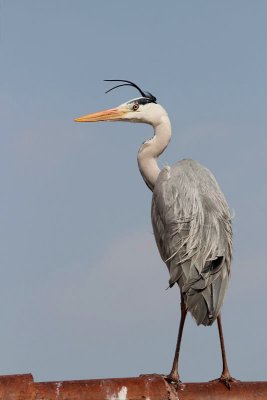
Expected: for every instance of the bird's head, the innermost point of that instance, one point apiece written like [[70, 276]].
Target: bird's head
[[141, 109]]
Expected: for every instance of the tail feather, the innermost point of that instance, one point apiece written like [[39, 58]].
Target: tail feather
[[204, 295], [197, 305]]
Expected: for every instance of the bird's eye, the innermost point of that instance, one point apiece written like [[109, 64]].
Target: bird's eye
[[135, 106]]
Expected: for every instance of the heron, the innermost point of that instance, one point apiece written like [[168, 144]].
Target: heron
[[190, 217]]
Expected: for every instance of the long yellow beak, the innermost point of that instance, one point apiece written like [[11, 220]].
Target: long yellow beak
[[113, 114]]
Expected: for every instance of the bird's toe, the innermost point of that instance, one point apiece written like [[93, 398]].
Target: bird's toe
[[174, 379], [226, 380]]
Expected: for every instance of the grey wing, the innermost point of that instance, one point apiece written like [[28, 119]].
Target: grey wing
[[192, 228]]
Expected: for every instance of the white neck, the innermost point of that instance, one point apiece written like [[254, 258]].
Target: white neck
[[151, 149]]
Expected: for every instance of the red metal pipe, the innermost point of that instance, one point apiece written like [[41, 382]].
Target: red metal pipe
[[149, 387], [17, 387]]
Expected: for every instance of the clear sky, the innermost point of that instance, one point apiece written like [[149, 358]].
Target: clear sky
[[82, 288]]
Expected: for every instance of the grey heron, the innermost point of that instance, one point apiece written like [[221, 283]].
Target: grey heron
[[190, 217]]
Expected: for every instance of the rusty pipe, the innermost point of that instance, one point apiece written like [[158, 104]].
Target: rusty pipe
[[149, 387]]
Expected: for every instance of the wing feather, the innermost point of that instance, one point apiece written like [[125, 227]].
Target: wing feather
[[192, 227]]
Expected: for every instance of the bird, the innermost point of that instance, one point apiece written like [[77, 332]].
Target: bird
[[191, 220]]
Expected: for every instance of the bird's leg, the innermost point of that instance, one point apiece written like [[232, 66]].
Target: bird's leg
[[225, 371], [174, 374], [226, 377]]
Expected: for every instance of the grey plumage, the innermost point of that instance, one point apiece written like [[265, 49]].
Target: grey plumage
[[190, 217], [192, 226]]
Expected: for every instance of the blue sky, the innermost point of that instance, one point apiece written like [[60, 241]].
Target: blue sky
[[82, 286]]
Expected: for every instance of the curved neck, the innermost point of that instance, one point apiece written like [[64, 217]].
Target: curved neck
[[151, 149]]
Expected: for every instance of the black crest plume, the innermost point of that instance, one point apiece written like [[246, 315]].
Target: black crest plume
[[147, 95]]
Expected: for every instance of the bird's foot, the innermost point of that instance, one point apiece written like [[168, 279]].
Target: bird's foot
[[226, 379], [174, 379]]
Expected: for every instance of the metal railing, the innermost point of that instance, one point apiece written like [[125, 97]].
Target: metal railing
[[148, 387]]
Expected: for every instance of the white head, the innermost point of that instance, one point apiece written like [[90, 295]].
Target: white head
[[141, 109]]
